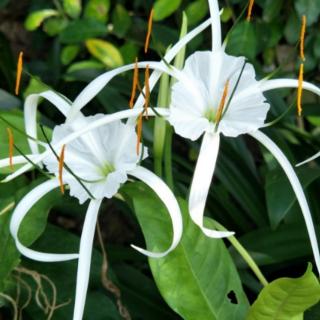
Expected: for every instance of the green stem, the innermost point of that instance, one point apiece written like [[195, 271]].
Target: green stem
[[245, 255], [168, 158]]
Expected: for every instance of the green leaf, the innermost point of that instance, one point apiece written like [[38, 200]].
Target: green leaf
[[81, 30], [292, 28], [97, 10], [72, 8], [196, 11], [105, 52], [286, 298], [54, 26], [8, 101], [243, 40], [279, 194], [121, 21], [35, 18], [164, 8], [310, 8], [69, 53], [271, 9], [198, 278]]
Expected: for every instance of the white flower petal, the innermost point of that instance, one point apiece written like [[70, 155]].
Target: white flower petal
[[30, 113], [16, 160], [317, 155], [201, 183], [167, 197], [297, 188], [85, 253], [21, 211], [215, 23], [132, 113], [266, 85]]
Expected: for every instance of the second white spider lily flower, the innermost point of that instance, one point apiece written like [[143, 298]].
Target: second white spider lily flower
[[226, 99]]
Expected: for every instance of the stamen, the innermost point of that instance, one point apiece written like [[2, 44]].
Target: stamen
[[19, 72], [299, 96], [147, 86], [302, 37], [11, 147], [134, 83], [139, 132], [61, 165], [147, 42], [250, 7], [222, 102]]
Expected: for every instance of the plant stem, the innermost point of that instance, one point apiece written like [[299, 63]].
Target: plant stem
[[245, 255], [168, 158]]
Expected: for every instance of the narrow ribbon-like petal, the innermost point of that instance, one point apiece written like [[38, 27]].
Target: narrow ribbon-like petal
[[16, 160], [297, 188], [317, 155], [85, 253], [131, 113], [22, 210], [30, 113], [201, 183], [266, 85], [215, 24], [169, 200]]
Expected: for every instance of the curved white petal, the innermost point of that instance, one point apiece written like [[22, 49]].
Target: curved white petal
[[169, 200], [201, 182], [16, 160], [30, 113], [95, 86], [298, 190], [266, 85], [317, 155], [131, 113], [85, 253], [22, 210], [215, 24]]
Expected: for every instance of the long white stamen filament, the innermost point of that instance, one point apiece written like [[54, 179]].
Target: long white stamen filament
[[317, 155], [131, 113], [84, 262], [201, 182], [19, 214], [297, 188], [169, 200]]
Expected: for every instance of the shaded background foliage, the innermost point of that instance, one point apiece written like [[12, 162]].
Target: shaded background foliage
[[67, 44]]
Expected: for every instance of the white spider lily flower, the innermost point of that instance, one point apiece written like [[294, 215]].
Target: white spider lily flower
[[103, 155], [227, 99]]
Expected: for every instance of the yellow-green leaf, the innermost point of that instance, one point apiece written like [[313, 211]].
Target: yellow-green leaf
[[97, 10], [104, 51], [72, 7], [164, 8], [35, 19]]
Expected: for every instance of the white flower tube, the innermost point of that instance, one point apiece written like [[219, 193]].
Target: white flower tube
[[215, 25], [85, 253], [22, 210], [169, 200], [201, 182], [297, 188]]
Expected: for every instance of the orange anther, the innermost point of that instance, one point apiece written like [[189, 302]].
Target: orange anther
[[134, 83], [147, 42], [222, 102], [147, 92], [11, 147], [250, 7], [61, 165], [299, 95], [19, 72], [302, 37], [139, 132]]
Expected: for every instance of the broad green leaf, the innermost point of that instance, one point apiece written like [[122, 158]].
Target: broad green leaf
[[69, 53], [121, 21], [81, 30], [129, 52], [55, 25], [279, 193], [286, 298], [72, 8], [105, 52], [196, 11], [85, 70], [97, 10], [292, 28], [310, 8], [164, 8], [35, 18], [198, 279], [243, 40], [8, 101], [271, 9]]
